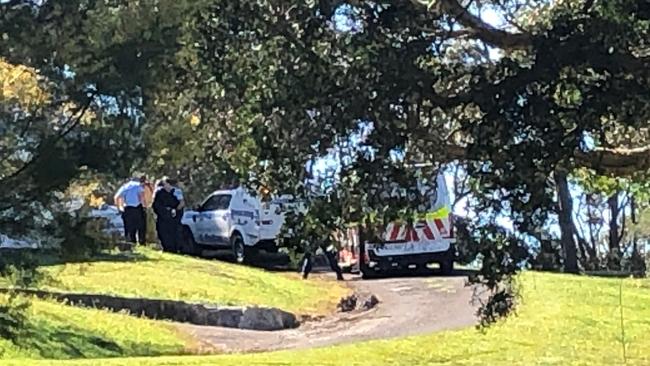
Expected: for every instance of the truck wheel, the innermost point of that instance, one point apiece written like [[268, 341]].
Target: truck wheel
[[368, 274], [447, 266], [189, 245], [238, 248], [423, 270]]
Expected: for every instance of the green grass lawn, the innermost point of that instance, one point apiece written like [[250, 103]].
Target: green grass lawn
[[563, 320], [58, 331], [153, 274]]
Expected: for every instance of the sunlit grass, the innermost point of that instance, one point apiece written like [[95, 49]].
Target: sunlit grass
[[153, 274], [563, 320]]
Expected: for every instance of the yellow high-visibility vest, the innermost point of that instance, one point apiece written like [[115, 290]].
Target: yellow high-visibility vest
[[441, 213]]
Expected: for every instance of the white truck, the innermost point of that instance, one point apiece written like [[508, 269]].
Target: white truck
[[236, 220], [429, 240]]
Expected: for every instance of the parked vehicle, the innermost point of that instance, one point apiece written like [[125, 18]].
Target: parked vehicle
[[114, 226], [236, 220], [429, 240], [7, 242]]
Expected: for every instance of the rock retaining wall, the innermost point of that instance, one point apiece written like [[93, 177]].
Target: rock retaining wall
[[253, 318]]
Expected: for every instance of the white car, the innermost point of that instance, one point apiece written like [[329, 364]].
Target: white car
[[13, 243], [236, 220], [114, 224]]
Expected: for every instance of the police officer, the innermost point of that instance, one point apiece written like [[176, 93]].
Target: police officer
[[330, 254], [130, 200], [175, 190], [168, 206], [149, 190]]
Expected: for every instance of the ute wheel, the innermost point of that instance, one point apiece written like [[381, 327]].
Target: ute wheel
[[238, 248], [189, 245], [272, 248]]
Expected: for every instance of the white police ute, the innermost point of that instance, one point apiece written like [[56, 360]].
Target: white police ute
[[236, 220]]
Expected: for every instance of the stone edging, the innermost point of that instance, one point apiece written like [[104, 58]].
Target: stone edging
[[250, 317]]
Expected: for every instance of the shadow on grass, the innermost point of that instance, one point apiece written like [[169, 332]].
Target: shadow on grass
[[61, 342], [52, 258], [276, 262], [65, 343]]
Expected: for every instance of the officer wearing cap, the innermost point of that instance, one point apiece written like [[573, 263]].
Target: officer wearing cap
[[130, 201], [168, 204]]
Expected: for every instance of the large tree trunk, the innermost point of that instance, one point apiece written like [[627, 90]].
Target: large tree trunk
[[588, 250], [614, 236], [592, 233], [565, 212]]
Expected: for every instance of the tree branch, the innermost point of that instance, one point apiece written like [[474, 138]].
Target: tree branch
[[480, 29], [608, 161], [67, 128], [615, 161]]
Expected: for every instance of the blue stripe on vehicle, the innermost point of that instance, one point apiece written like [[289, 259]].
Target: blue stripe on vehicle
[[248, 214]]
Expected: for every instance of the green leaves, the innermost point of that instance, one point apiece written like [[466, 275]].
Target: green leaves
[[276, 85]]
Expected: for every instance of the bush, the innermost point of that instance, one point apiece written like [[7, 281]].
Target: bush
[[466, 252], [13, 315], [19, 267], [81, 236]]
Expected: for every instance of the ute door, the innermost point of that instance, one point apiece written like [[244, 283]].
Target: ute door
[[244, 213], [213, 221]]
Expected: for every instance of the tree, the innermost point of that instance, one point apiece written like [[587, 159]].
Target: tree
[[607, 218], [37, 146], [276, 84], [401, 69], [567, 228]]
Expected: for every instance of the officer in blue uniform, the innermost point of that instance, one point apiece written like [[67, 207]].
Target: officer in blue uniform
[[129, 200]]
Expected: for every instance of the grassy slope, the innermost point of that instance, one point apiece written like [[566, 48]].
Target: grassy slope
[[59, 331], [154, 274], [563, 320]]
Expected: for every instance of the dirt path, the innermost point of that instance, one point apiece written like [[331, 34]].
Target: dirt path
[[408, 306]]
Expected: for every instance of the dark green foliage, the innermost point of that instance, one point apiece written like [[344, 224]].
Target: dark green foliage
[[306, 232], [77, 241], [13, 315], [19, 268], [255, 90], [502, 255]]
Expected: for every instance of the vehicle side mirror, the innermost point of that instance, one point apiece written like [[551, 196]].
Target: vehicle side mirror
[[198, 208]]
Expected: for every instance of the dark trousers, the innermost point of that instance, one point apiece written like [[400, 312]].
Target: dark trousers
[[331, 259], [144, 225], [134, 225], [168, 232], [306, 265]]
